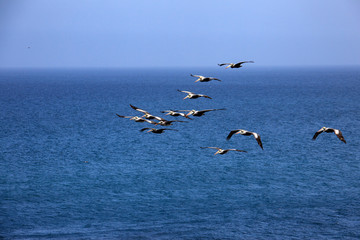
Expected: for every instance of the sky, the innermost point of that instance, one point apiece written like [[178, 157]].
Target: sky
[[178, 33]]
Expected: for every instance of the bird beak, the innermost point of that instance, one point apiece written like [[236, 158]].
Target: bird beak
[[216, 153], [185, 97], [227, 67]]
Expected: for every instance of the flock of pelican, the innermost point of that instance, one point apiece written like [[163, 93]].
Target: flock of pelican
[[156, 120]]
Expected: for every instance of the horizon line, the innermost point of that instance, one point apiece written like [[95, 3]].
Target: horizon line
[[168, 67]]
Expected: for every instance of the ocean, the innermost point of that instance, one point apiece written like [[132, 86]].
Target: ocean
[[71, 169]]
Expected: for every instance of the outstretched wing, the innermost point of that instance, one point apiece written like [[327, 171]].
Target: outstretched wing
[[245, 62], [183, 110], [211, 147], [258, 139], [143, 129], [120, 116], [232, 133], [222, 64], [205, 96], [317, 133], [195, 75], [185, 91], [208, 110], [151, 122], [212, 78], [338, 133], [158, 118], [238, 150], [138, 109]]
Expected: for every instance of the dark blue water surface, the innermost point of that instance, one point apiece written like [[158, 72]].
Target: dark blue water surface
[[71, 169]]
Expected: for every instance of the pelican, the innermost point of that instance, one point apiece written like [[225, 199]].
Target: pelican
[[137, 119], [158, 131], [223, 151], [204, 79], [175, 113], [199, 113], [167, 123], [337, 132], [246, 133], [193, 95], [234, 65], [146, 115]]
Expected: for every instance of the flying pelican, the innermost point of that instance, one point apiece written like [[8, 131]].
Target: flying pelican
[[246, 133], [146, 115], [223, 151], [167, 123], [234, 65], [337, 132], [193, 95], [204, 79], [175, 113], [199, 113], [137, 119], [158, 131]]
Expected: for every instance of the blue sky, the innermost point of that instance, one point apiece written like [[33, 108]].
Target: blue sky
[[178, 33]]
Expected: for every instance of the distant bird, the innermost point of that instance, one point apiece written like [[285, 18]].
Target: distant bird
[[234, 65], [146, 115], [223, 151], [135, 118], [199, 113], [157, 131], [193, 95], [204, 79], [246, 133], [337, 132], [175, 113]]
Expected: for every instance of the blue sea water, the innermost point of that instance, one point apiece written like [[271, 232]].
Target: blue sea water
[[71, 169]]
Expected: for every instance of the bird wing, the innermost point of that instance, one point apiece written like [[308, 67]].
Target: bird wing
[[184, 110], [211, 147], [151, 122], [238, 150], [185, 92], [222, 64], [317, 133], [212, 78], [338, 133], [205, 96], [138, 109], [195, 75], [232, 133], [208, 110], [158, 118], [143, 129], [258, 139], [120, 116], [245, 62]]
